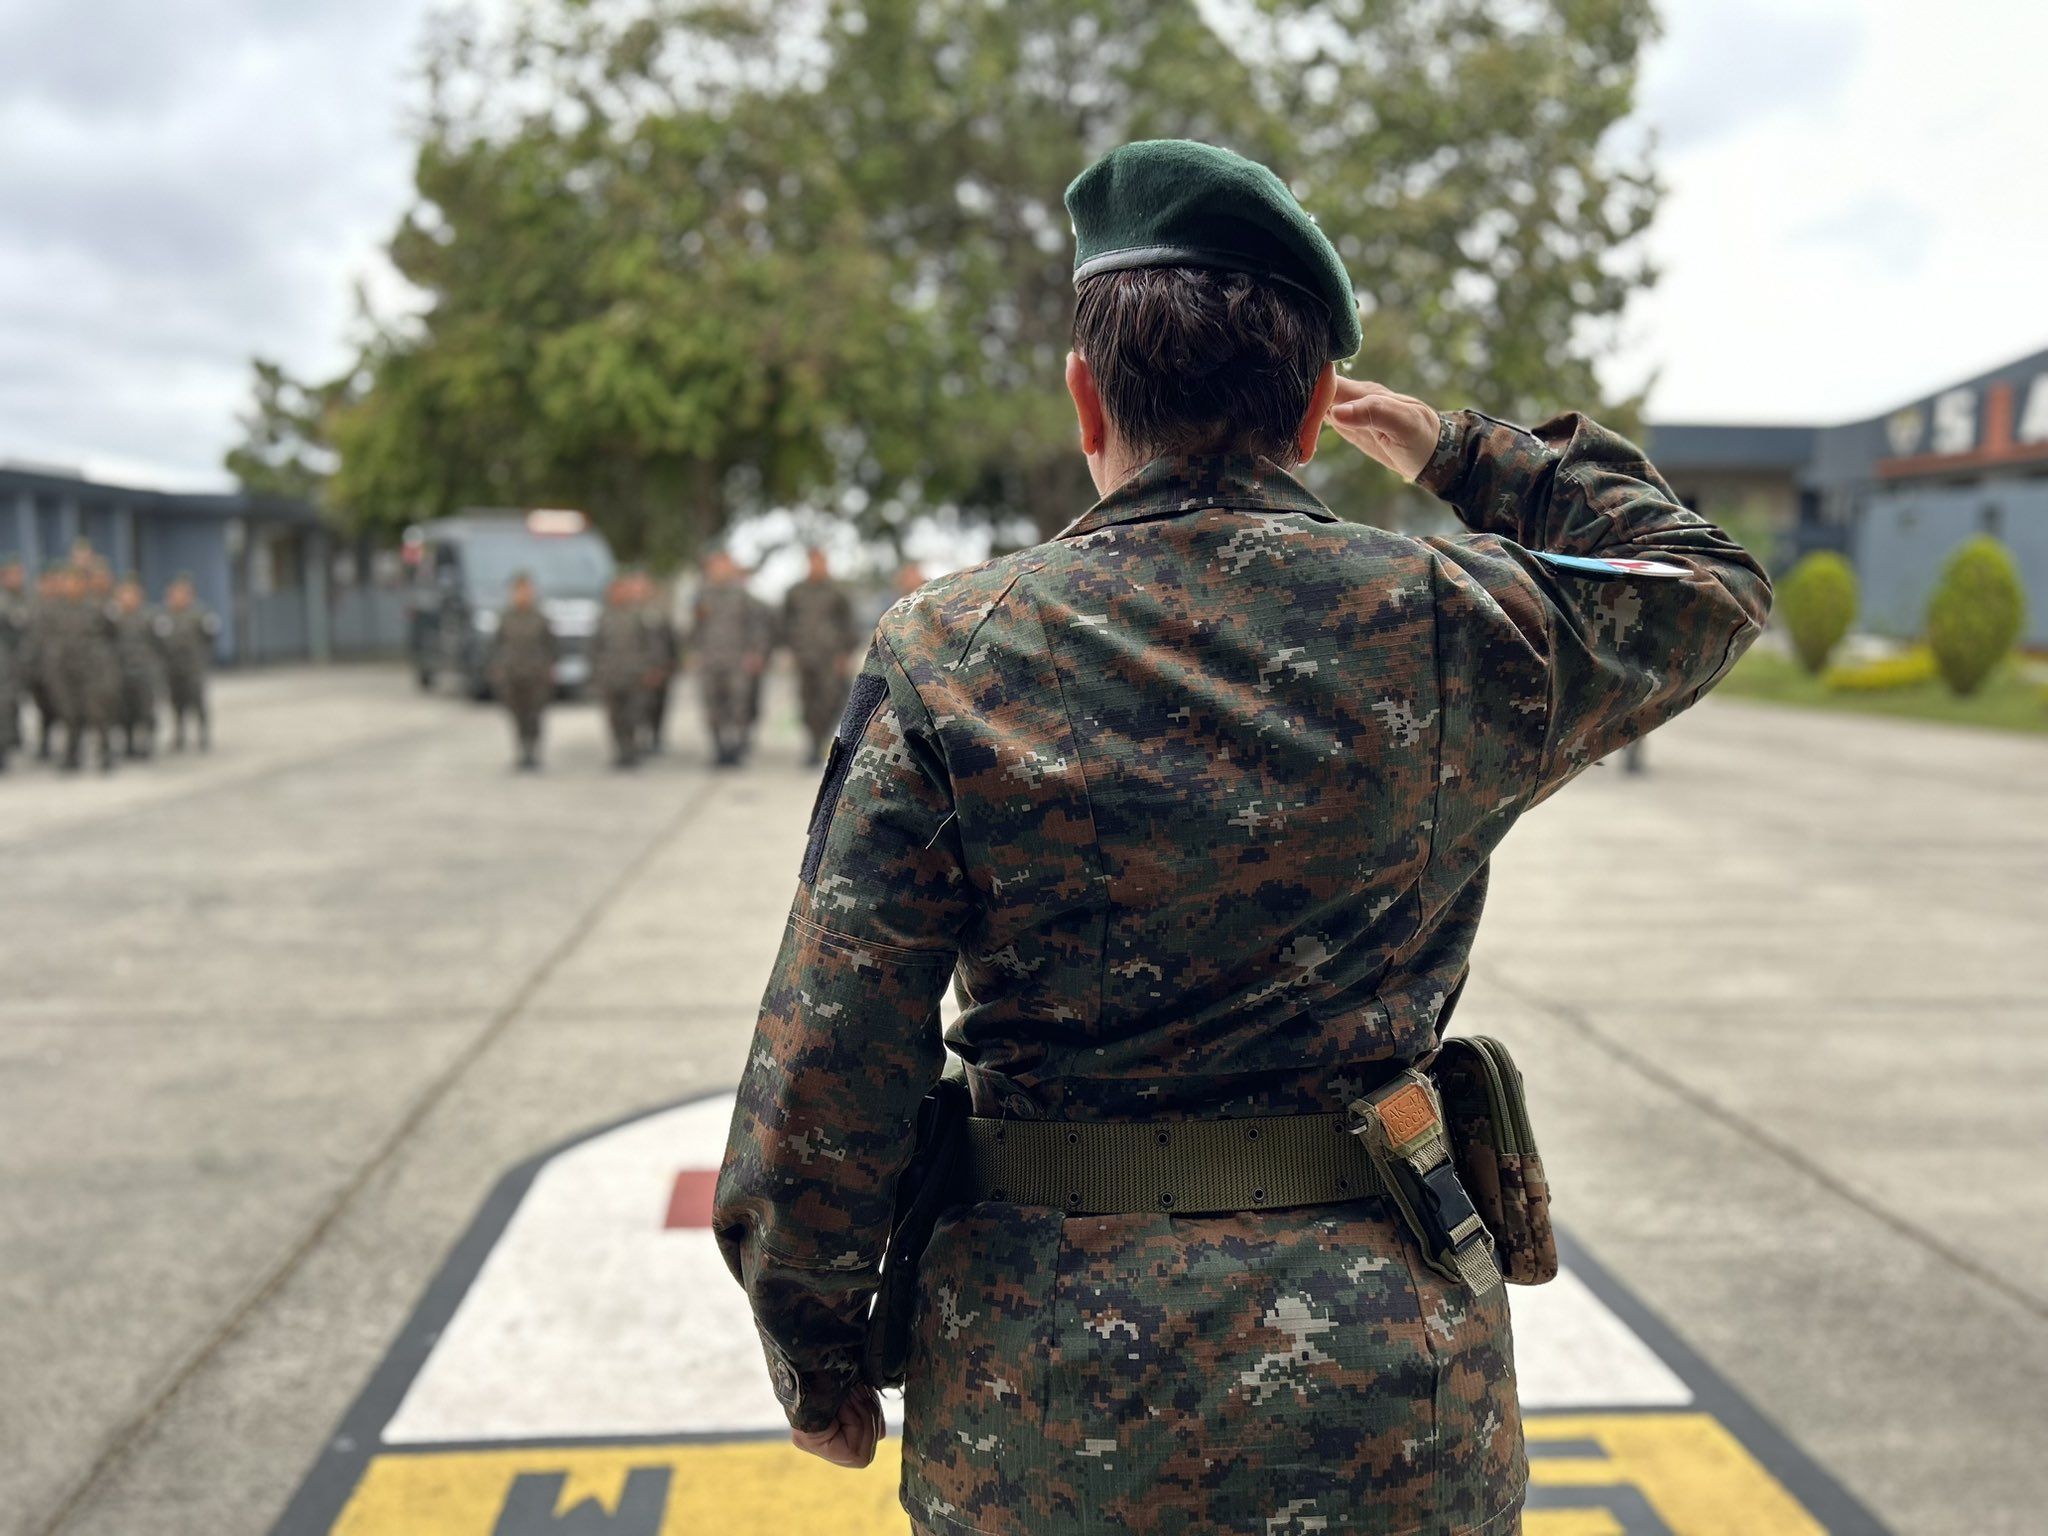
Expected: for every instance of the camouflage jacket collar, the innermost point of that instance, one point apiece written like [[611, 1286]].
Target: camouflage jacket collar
[[1176, 482]]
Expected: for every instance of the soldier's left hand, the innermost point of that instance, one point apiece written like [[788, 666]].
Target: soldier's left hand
[[852, 1439], [1398, 431]]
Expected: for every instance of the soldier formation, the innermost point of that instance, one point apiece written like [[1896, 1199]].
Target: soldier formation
[[637, 652], [96, 661]]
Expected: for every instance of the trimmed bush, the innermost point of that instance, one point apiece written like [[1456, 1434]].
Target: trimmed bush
[[1975, 615], [1817, 603], [1908, 669]]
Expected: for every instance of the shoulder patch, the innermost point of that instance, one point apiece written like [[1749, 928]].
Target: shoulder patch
[[1620, 569], [863, 700]]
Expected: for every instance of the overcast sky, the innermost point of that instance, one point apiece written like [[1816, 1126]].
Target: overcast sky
[[1857, 208]]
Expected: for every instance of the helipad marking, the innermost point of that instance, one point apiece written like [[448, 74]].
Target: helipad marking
[[583, 1365]]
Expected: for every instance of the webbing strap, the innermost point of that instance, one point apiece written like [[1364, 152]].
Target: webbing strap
[[1185, 1167]]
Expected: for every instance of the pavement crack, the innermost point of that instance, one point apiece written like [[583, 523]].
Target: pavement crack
[[1757, 1135], [125, 1438]]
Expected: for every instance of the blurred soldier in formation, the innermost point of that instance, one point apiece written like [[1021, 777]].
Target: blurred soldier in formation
[[186, 631], [35, 655], [83, 665], [666, 649], [522, 667], [819, 627], [621, 659], [13, 631], [731, 635], [135, 648]]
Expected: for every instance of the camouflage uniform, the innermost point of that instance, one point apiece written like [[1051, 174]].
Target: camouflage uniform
[[819, 628], [731, 634], [13, 634], [84, 670], [186, 637], [522, 673], [136, 651], [666, 650], [621, 656], [1194, 804], [33, 659]]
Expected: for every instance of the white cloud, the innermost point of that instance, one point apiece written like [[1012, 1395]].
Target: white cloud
[[1868, 226], [1858, 208], [185, 186]]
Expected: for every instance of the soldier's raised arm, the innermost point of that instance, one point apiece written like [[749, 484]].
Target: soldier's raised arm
[[847, 1044], [1586, 606]]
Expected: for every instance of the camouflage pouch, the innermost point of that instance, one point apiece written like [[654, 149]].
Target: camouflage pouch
[[1495, 1153], [924, 1194]]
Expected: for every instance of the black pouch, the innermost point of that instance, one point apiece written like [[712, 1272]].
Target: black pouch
[[924, 1193], [1495, 1153]]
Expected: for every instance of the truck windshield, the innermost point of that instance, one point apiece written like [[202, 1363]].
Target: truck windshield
[[575, 565]]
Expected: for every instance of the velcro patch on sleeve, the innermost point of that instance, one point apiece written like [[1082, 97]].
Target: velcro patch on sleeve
[[1615, 569], [862, 702]]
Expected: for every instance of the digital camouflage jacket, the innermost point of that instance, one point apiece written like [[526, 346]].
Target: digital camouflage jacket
[[1193, 804]]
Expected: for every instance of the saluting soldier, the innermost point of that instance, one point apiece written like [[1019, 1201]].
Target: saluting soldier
[[731, 634], [1196, 802], [621, 656], [13, 634], [186, 633], [521, 667], [819, 627], [135, 649], [665, 648]]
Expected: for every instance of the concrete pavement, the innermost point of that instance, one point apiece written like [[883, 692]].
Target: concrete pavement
[[275, 1020]]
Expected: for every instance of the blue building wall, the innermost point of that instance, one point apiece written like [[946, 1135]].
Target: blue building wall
[[1905, 535]]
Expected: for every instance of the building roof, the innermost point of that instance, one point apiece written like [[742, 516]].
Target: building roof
[[49, 484], [1980, 413], [1683, 446]]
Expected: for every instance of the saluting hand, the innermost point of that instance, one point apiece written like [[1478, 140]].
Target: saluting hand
[[1398, 431], [852, 1439]]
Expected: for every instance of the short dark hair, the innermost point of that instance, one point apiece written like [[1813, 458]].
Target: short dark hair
[[1199, 360]]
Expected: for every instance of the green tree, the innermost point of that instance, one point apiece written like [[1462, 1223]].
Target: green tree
[[1816, 602], [676, 260], [1976, 613], [285, 448]]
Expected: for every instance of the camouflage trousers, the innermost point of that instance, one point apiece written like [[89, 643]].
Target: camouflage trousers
[[526, 700], [822, 689], [1264, 1372], [625, 712], [730, 697]]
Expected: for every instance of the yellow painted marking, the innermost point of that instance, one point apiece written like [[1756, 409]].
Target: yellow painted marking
[[1571, 1522], [736, 1488], [1692, 1472]]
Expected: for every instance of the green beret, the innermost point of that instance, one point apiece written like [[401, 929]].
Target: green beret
[[1176, 203]]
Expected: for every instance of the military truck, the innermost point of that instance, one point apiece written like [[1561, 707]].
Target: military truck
[[461, 569]]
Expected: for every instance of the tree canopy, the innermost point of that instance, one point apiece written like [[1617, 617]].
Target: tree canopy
[[677, 261]]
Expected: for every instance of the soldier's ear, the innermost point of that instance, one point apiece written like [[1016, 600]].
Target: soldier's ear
[[1087, 404], [1310, 432]]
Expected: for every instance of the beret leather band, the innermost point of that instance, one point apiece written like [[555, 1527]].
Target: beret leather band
[[1185, 256]]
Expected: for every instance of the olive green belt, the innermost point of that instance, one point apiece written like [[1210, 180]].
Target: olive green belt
[[1187, 1167]]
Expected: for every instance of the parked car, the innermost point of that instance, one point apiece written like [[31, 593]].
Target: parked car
[[462, 567]]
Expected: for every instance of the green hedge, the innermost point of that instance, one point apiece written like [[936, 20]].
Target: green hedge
[[1976, 613], [1816, 602]]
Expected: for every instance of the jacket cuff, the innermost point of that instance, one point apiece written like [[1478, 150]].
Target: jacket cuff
[[1440, 474], [810, 1399]]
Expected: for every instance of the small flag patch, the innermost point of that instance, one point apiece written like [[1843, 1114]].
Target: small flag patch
[[1610, 567]]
